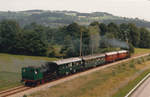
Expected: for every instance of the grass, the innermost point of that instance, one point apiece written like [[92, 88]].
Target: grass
[[9, 80], [123, 91], [103, 83], [139, 51], [13, 63], [10, 68]]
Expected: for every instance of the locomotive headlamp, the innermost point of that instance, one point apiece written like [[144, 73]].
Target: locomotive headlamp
[[35, 72]]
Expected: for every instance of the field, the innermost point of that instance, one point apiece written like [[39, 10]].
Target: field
[[139, 51], [10, 66]]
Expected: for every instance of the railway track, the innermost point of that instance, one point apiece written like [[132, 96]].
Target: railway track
[[12, 91]]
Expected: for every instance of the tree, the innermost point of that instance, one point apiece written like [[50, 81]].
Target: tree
[[95, 23], [134, 37], [37, 41], [124, 32], [8, 32], [144, 38], [85, 41], [32, 42], [73, 40], [103, 29], [74, 30], [114, 29], [131, 48]]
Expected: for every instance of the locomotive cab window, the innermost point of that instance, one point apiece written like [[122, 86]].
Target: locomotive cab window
[[36, 72]]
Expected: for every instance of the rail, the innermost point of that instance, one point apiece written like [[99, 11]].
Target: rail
[[13, 91]]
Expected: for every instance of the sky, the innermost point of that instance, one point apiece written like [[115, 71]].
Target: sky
[[125, 8]]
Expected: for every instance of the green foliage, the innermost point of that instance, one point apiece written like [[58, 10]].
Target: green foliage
[[132, 64], [124, 32], [144, 38], [8, 32], [103, 29], [113, 28], [24, 95], [40, 40], [134, 35], [32, 42], [95, 23], [131, 48]]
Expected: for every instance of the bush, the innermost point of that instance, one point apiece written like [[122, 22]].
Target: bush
[[132, 64], [131, 48], [24, 95], [139, 61]]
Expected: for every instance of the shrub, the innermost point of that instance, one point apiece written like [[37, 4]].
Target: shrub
[[24, 95], [131, 64]]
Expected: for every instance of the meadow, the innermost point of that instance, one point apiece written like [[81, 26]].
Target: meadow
[[139, 51]]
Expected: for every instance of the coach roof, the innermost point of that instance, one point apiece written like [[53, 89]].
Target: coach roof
[[111, 53], [93, 57], [123, 51], [70, 60]]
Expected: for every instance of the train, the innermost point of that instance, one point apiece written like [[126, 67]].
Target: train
[[36, 75]]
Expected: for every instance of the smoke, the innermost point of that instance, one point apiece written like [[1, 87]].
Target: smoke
[[115, 43], [118, 43]]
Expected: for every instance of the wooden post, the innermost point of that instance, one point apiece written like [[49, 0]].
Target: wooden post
[[81, 44]]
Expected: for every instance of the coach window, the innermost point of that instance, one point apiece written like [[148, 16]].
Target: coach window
[[66, 65], [77, 63], [89, 61], [86, 62], [70, 65], [62, 67]]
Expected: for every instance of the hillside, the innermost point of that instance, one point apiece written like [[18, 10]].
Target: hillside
[[61, 18]]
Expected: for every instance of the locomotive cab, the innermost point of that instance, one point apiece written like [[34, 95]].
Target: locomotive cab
[[31, 74]]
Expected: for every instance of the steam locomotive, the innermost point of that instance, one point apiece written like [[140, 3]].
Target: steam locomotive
[[35, 75]]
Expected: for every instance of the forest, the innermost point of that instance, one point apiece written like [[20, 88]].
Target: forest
[[62, 18], [39, 40]]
